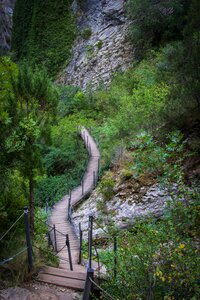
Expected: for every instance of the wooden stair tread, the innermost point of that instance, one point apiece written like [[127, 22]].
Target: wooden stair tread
[[64, 273], [62, 281]]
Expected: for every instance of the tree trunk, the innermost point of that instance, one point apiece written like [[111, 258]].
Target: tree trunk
[[31, 204]]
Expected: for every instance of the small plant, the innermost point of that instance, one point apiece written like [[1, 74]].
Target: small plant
[[157, 160], [86, 33], [126, 174], [101, 205], [99, 44], [89, 50], [106, 186]]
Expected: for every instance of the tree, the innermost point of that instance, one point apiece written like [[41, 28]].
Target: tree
[[155, 22], [35, 101]]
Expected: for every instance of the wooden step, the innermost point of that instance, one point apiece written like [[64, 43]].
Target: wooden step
[[62, 281], [60, 277], [64, 273]]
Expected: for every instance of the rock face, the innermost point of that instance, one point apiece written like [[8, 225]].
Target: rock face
[[6, 13], [101, 47], [122, 209]]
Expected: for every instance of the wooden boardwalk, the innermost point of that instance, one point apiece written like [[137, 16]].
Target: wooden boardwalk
[[63, 226]]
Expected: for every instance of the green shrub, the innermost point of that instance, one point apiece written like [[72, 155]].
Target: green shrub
[[161, 161], [158, 260], [86, 33], [89, 50], [99, 44], [106, 186], [155, 23]]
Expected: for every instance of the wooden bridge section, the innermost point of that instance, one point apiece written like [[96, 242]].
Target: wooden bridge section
[[64, 276]]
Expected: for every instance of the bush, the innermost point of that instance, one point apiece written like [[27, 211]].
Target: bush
[[86, 33], [161, 161], [155, 23], [158, 260], [106, 186]]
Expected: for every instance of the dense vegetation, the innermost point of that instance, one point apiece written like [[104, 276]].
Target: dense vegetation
[[42, 156], [36, 147], [43, 33]]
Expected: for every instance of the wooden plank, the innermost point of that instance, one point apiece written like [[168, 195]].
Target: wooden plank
[[64, 273], [62, 281]]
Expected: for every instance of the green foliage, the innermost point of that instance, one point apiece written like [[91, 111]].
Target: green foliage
[[28, 107], [156, 22], [106, 186], [64, 162], [158, 260], [164, 161], [43, 33], [43, 254], [86, 33], [89, 50], [99, 44]]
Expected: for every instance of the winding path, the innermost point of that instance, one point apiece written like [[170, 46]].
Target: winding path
[[63, 226]]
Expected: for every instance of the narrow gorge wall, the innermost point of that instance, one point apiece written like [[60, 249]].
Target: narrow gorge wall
[[6, 13], [106, 50]]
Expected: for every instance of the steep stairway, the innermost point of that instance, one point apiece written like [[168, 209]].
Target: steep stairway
[[62, 275]]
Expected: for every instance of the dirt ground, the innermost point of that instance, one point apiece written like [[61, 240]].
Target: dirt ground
[[38, 291]]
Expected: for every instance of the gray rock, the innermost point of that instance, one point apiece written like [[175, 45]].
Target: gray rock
[[6, 13], [108, 24]]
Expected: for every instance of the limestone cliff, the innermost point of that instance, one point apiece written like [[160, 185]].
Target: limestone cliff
[[105, 50], [6, 13]]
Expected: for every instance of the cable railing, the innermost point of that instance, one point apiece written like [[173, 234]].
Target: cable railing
[[28, 247], [90, 282], [52, 236]]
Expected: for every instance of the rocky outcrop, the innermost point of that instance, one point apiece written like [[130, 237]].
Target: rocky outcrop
[[130, 202], [6, 13], [102, 46]]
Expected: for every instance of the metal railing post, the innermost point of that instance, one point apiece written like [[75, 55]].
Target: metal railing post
[[90, 241], [98, 167], [80, 245], [90, 151], [69, 206], [94, 179], [115, 256], [28, 239], [82, 184], [69, 252], [55, 241], [88, 284]]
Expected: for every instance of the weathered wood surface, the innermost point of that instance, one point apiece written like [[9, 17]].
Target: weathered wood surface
[[63, 227]]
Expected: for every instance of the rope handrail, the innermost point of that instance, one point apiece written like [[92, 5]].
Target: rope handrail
[[64, 259], [3, 262], [101, 289], [1, 238], [49, 226]]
